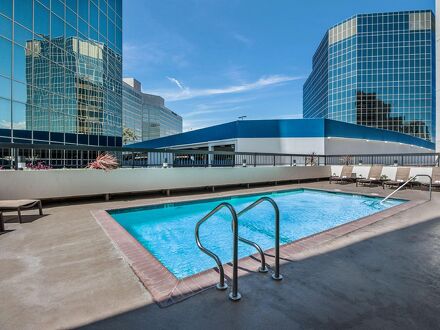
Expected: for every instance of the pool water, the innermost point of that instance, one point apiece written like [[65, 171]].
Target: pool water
[[167, 230]]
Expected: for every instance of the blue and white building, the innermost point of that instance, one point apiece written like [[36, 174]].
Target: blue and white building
[[377, 70], [293, 136]]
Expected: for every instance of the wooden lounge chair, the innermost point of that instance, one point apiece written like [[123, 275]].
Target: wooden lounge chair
[[19, 205], [402, 175], [373, 176], [346, 175]]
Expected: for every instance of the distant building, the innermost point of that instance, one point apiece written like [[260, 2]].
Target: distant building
[[293, 136], [145, 116], [377, 70]]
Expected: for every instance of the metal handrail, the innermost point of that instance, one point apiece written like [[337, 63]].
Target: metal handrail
[[234, 294], [408, 181], [277, 276]]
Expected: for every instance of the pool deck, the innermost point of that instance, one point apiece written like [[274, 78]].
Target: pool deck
[[62, 271]]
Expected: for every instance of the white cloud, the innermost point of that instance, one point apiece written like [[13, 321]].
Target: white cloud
[[243, 39], [188, 93], [202, 111], [17, 125], [177, 82]]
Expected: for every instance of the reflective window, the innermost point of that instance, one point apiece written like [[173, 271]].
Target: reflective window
[[58, 8], [23, 12], [62, 82], [72, 4], [93, 16], [5, 27], [5, 113], [6, 8], [19, 92], [19, 69], [377, 77], [71, 18], [22, 35], [18, 116], [5, 88], [83, 27], [41, 22], [5, 58], [102, 24], [83, 10], [57, 27]]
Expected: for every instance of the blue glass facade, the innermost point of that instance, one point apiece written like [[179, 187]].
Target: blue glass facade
[[315, 88], [61, 71], [380, 73]]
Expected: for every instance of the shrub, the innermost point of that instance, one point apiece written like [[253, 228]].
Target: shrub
[[104, 162], [38, 166]]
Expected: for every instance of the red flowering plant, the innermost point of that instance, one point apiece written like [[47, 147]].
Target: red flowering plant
[[104, 162], [38, 166]]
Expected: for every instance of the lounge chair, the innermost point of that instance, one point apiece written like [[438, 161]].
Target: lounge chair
[[346, 176], [435, 178], [402, 175], [373, 176], [19, 205]]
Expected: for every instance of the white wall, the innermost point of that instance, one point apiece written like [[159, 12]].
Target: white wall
[[343, 146], [328, 146], [281, 145], [68, 183]]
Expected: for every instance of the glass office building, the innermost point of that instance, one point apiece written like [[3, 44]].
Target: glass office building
[[61, 71], [377, 70], [145, 116]]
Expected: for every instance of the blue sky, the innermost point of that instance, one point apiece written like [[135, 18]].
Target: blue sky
[[215, 60]]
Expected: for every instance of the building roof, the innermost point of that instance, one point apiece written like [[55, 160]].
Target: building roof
[[282, 128]]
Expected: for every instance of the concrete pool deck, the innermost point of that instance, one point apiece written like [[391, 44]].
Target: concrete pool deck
[[62, 271]]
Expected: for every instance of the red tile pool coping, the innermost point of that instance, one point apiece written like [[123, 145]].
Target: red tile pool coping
[[166, 289]]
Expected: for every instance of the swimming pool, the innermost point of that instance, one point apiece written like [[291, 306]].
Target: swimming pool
[[167, 230]]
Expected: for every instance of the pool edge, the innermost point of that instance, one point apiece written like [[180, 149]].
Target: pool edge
[[166, 289]]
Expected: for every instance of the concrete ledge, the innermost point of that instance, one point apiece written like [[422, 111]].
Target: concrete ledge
[[50, 184]]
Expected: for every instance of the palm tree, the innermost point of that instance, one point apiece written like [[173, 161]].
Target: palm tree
[[128, 135]]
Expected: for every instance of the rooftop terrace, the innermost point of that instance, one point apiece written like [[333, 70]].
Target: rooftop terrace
[[62, 271]]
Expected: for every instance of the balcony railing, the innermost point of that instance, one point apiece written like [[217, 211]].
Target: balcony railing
[[20, 156], [17, 156]]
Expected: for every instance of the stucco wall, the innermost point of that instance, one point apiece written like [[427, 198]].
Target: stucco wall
[[69, 183], [327, 146], [342, 146], [282, 145]]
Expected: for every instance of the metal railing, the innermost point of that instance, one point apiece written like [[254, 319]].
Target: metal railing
[[263, 269], [407, 182], [234, 294], [412, 159], [17, 156]]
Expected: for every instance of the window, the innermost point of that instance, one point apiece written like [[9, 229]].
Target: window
[[5, 58], [41, 22], [23, 12]]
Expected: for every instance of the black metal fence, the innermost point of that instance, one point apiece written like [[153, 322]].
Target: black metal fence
[[416, 159], [20, 156]]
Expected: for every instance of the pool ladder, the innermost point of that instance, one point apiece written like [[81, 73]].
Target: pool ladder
[[234, 295]]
